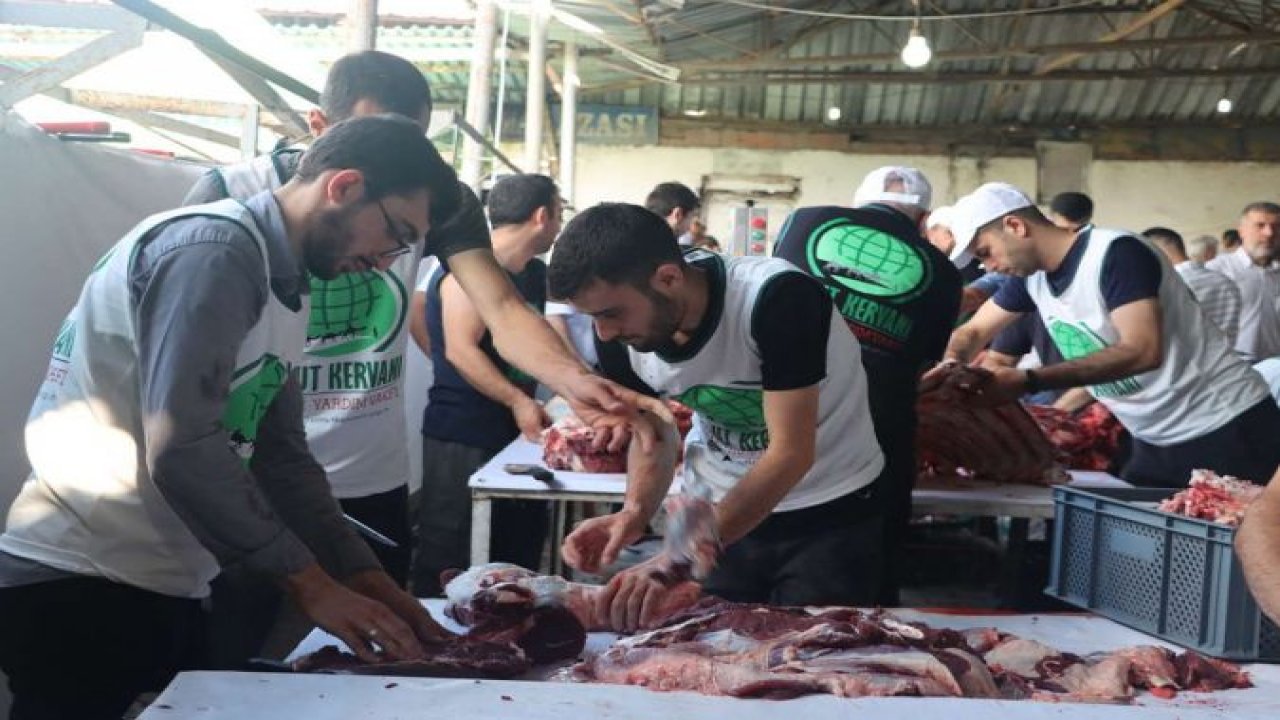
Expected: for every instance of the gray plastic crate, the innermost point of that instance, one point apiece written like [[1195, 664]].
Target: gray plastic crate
[[1170, 576]]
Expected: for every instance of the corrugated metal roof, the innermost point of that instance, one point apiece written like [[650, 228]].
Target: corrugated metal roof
[[1169, 81]]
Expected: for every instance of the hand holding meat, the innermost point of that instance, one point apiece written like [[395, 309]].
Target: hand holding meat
[[378, 585], [691, 543], [595, 543], [593, 398], [367, 626], [530, 418], [635, 597], [969, 383], [997, 387]]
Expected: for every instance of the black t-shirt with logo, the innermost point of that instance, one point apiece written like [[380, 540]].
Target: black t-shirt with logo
[[899, 295]]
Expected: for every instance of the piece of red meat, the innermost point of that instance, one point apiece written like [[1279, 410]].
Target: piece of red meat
[[568, 444], [1214, 498], [457, 658], [1000, 444], [489, 597], [1087, 440]]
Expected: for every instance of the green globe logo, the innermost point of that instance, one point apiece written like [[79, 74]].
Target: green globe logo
[[355, 312], [736, 410], [1073, 341], [253, 389], [865, 260]]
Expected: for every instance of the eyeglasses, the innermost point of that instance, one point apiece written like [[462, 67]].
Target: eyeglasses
[[398, 234]]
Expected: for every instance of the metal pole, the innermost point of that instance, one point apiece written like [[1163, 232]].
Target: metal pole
[[479, 90], [364, 25], [568, 120], [249, 132], [536, 79]]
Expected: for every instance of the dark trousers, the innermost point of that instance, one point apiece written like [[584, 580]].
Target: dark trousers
[[1247, 447], [84, 648], [444, 518], [895, 485], [245, 606], [388, 513], [826, 555]]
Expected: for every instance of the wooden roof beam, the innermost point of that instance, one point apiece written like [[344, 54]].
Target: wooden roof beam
[[1137, 24]]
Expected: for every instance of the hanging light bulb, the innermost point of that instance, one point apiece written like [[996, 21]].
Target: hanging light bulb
[[1224, 105], [916, 53], [834, 113]]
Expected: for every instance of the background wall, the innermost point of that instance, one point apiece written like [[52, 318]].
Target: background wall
[[1192, 197]]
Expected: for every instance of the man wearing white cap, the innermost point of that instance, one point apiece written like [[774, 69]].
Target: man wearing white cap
[[1128, 328], [900, 296], [937, 230]]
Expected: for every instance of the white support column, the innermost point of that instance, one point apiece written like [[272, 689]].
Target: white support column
[[568, 121], [249, 131], [479, 89], [363, 17], [536, 95]]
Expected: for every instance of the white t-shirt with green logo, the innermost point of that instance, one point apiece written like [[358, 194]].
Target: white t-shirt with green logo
[[1199, 386], [723, 383]]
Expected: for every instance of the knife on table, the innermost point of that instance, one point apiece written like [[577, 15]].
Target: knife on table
[[537, 472]]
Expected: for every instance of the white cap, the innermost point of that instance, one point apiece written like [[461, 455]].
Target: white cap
[[879, 186], [991, 201], [941, 217]]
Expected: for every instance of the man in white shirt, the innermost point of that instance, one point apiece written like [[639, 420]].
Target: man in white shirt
[[1217, 295], [1255, 268]]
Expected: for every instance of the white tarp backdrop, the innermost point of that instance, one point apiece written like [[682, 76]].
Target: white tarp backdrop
[[61, 206]]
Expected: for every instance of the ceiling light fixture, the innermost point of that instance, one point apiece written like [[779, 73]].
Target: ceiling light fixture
[[1224, 105], [834, 113], [916, 53], [691, 112]]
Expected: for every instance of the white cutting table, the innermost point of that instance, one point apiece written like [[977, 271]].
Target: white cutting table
[[254, 696], [491, 482]]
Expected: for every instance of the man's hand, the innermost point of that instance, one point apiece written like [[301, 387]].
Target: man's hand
[[937, 375], [611, 433], [632, 598], [367, 626], [1001, 386], [595, 543], [598, 401], [378, 585], [530, 418]]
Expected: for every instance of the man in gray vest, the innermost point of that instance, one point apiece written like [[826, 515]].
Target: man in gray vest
[[352, 373], [1127, 327], [166, 441]]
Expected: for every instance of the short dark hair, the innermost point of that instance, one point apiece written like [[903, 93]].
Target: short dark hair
[[1166, 236], [394, 156], [1231, 237], [515, 198], [1269, 208], [388, 80], [1074, 206], [1029, 214], [616, 243], [668, 196]]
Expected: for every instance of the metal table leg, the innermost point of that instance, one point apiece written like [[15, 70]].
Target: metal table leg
[[481, 524]]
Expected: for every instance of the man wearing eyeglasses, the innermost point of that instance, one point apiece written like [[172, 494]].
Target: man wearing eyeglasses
[[166, 442], [352, 374]]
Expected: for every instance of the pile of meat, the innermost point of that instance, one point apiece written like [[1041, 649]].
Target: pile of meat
[[569, 444], [1219, 499], [992, 444], [1087, 440], [753, 651]]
